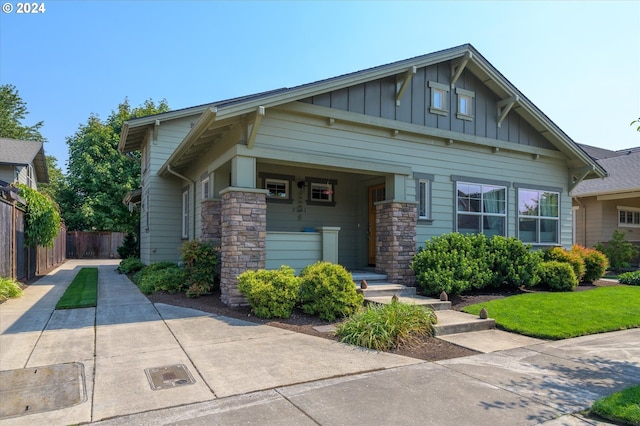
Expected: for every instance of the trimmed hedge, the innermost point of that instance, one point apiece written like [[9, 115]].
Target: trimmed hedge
[[557, 276], [328, 290], [595, 263], [270, 293], [457, 262], [572, 258]]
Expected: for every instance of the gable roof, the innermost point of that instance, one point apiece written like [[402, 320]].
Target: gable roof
[[216, 114], [22, 153], [624, 176]]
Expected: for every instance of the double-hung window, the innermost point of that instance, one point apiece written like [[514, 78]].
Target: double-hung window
[[538, 216], [185, 213], [481, 208], [423, 195]]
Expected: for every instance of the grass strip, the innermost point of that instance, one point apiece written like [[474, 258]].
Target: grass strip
[[563, 315], [82, 292], [621, 407]]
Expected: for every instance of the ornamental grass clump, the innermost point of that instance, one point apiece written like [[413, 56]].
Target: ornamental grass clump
[[385, 327], [9, 288]]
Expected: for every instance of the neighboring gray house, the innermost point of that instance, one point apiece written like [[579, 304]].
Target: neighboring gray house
[[602, 206], [22, 162], [359, 169]]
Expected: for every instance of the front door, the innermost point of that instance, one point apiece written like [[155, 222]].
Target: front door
[[376, 193]]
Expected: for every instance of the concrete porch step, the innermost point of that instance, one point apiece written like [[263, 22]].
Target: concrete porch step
[[370, 276], [380, 289], [435, 304], [454, 322]]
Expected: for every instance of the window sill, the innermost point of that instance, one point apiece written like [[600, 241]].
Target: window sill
[[425, 221], [438, 111], [464, 117]]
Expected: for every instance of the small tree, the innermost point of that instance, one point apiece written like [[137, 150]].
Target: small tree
[[130, 246], [618, 251]]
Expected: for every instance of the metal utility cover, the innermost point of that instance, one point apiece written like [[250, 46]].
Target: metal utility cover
[[39, 389], [168, 377]]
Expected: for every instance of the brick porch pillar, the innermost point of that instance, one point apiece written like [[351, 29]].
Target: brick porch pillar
[[244, 236], [211, 223], [396, 240]]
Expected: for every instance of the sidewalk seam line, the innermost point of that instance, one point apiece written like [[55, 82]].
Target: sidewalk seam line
[[296, 406]]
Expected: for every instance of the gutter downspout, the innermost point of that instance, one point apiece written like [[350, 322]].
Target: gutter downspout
[[193, 182]]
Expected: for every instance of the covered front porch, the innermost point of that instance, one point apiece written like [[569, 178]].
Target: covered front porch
[[297, 214]]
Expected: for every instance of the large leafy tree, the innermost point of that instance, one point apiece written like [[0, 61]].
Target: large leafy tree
[[99, 176], [13, 111]]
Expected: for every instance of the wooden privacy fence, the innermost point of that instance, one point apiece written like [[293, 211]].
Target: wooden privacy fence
[[16, 259], [93, 245]]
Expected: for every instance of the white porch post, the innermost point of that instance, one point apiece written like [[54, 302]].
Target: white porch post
[[330, 243]]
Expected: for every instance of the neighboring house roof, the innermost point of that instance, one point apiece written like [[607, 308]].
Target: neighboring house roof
[[600, 153], [22, 153], [624, 176], [218, 114]]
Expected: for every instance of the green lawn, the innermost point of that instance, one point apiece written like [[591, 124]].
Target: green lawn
[[621, 407], [82, 292], [563, 315]]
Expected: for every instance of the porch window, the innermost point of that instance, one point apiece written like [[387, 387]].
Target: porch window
[[439, 95], [628, 217], [185, 213], [321, 191], [538, 216], [423, 195], [481, 209], [279, 187]]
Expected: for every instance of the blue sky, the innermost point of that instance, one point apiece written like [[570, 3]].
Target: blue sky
[[579, 62]]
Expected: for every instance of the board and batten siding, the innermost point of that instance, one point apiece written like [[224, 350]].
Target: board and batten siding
[[377, 99], [163, 240], [312, 136]]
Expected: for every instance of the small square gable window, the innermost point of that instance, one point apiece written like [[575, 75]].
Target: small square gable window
[[439, 96], [465, 104]]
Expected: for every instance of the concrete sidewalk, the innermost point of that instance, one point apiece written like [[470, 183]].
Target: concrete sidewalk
[[243, 372]]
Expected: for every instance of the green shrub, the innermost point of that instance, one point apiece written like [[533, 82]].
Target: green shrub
[[9, 288], [619, 251], [42, 218], [557, 275], [328, 290], [383, 327], [170, 279], [270, 293], [572, 258], [514, 264], [453, 263], [130, 265], [629, 278], [130, 246], [595, 263], [201, 260]]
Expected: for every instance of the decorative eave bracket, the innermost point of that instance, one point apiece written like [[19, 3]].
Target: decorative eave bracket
[[504, 106], [253, 127], [577, 175], [402, 82], [458, 66]]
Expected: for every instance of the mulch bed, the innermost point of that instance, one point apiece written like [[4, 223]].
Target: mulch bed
[[429, 349]]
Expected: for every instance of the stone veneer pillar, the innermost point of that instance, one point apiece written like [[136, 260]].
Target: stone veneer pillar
[[396, 240], [244, 239], [211, 224]]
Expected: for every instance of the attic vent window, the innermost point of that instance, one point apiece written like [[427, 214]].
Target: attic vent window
[[465, 104], [439, 96]]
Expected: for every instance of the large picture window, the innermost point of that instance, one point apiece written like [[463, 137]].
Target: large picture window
[[628, 217], [538, 216], [481, 209]]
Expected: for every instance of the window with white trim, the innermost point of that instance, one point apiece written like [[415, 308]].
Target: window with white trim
[[628, 217], [439, 95], [465, 104], [481, 209], [321, 191], [538, 216], [205, 188], [185, 213], [423, 195]]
